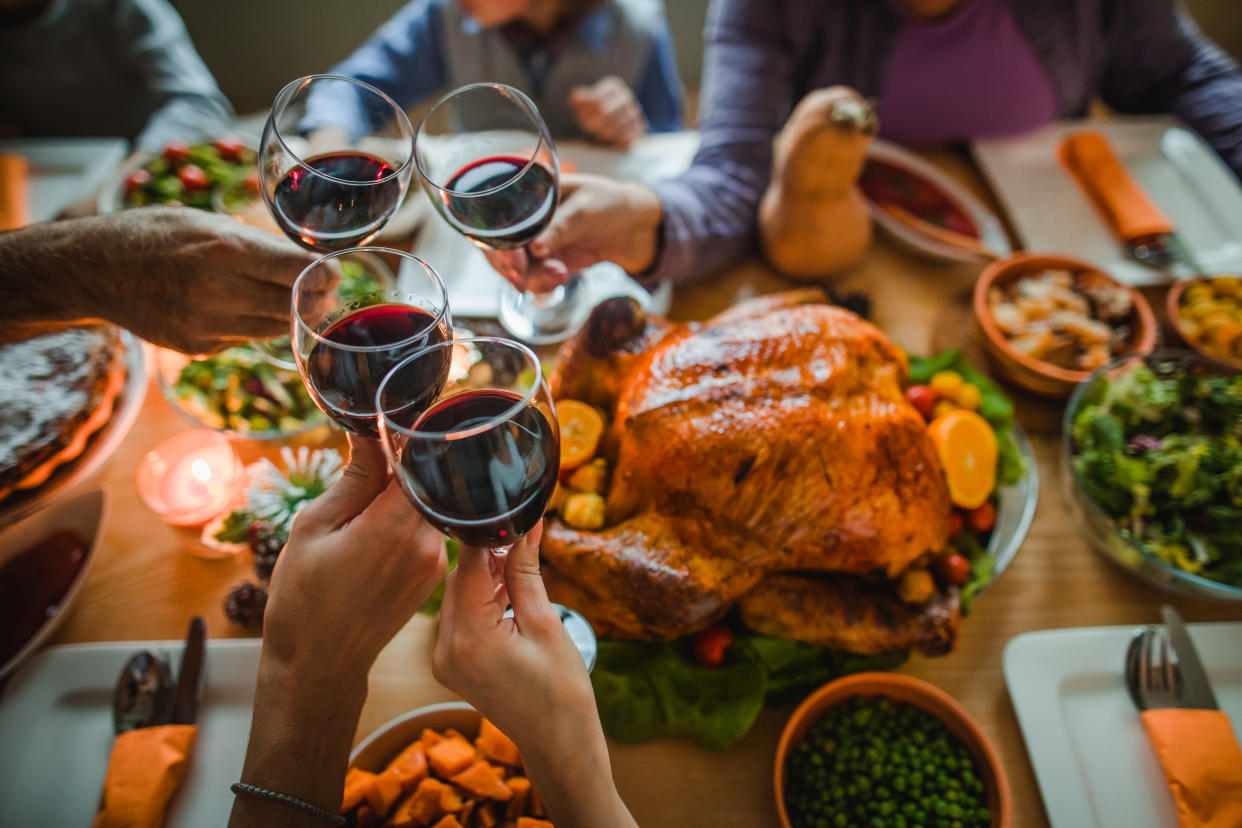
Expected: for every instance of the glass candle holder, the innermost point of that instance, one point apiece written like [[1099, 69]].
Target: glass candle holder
[[191, 478]]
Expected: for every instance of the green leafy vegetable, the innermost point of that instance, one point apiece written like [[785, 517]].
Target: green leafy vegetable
[[236, 528]]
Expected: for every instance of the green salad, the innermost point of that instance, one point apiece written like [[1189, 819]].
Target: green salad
[[191, 174], [1159, 450], [239, 390]]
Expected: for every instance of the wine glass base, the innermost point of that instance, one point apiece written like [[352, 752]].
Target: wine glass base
[[545, 318]]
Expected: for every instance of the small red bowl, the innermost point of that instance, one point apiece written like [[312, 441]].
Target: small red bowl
[[913, 691], [1173, 307], [1033, 374]]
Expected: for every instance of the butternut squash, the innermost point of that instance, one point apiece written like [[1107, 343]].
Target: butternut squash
[[813, 219], [482, 781]]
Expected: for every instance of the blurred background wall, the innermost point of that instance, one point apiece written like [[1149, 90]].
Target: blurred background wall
[[275, 41]]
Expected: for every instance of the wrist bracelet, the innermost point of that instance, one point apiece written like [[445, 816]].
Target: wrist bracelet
[[290, 801]]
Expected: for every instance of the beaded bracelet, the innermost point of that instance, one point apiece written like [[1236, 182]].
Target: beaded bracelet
[[290, 801]]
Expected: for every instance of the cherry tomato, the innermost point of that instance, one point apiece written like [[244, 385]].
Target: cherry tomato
[[711, 644], [922, 398], [230, 148], [176, 153], [982, 519], [955, 524], [192, 177], [953, 569], [250, 183], [136, 180]]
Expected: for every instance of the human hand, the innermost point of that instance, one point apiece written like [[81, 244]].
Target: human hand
[[190, 280], [598, 219], [608, 111], [359, 563]]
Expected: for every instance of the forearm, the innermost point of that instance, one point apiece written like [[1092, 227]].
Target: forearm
[[39, 284], [300, 739]]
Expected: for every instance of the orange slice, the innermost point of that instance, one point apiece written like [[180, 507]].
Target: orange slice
[[967, 448], [581, 428]]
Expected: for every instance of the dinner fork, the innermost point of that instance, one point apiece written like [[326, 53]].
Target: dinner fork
[[1151, 676]]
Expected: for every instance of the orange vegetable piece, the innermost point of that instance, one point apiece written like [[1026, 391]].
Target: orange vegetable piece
[[497, 746], [967, 448], [383, 794], [450, 757], [430, 739], [357, 781], [403, 815], [581, 427], [520, 786], [531, 822], [485, 817], [424, 805], [366, 816], [449, 821], [451, 733], [482, 780], [410, 766], [450, 800]]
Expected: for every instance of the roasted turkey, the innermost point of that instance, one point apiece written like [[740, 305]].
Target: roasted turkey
[[765, 459]]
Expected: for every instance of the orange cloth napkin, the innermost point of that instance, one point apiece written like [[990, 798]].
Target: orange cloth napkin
[[145, 769], [14, 191], [1202, 763], [1090, 159]]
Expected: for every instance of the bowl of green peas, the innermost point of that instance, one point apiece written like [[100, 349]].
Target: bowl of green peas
[[883, 749]]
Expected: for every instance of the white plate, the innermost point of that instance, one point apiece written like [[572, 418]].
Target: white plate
[[474, 288], [64, 170], [100, 445], [1015, 509], [56, 733], [84, 515], [991, 233], [1094, 764], [1177, 170]]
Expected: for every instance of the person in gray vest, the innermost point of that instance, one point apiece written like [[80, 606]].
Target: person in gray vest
[[599, 69]]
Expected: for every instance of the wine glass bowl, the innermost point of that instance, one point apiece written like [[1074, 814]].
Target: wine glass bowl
[[335, 160], [481, 462], [344, 343]]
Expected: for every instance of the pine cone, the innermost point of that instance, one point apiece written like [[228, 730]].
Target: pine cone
[[857, 301], [245, 604], [266, 546]]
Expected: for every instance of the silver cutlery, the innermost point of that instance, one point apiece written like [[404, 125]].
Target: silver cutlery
[[1163, 669]]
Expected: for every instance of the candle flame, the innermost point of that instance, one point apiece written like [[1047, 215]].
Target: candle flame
[[200, 469]]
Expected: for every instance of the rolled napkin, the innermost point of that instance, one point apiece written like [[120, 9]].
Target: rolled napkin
[[14, 191], [1202, 763], [143, 773], [1090, 159]]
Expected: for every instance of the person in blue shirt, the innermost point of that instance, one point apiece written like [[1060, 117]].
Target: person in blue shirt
[[599, 69]]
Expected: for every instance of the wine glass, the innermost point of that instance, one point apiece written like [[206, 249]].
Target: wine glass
[[481, 462], [489, 165], [345, 344]]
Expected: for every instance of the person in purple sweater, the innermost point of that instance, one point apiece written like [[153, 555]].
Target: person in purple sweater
[[944, 71]]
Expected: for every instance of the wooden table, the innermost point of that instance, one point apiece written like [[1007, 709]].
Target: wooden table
[[145, 584]]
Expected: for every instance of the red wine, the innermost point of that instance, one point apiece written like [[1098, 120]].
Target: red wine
[[512, 215], [344, 380], [485, 488], [323, 214]]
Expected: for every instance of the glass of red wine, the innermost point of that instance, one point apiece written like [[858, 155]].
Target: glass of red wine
[[334, 161], [489, 165], [344, 345], [480, 463]]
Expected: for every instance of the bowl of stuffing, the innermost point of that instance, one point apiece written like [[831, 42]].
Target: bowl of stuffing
[[1048, 321], [1206, 313]]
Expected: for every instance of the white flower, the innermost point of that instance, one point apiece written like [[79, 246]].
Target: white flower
[[275, 497]]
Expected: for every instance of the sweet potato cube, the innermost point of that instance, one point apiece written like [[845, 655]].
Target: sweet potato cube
[[534, 804], [450, 757], [424, 804], [482, 780], [450, 800], [467, 809], [485, 816], [410, 766], [531, 822], [520, 786], [382, 794], [430, 739], [356, 783], [451, 733], [365, 816], [403, 815], [497, 746], [449, 821]]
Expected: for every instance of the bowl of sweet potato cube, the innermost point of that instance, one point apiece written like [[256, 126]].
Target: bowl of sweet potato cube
[[442, 766]]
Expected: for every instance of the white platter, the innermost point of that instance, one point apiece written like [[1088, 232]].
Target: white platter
[[1177, 170], [991, 233], [100, 445], [1094, 764], [474, 288], [83, 514], [56, 733], [65, 170]]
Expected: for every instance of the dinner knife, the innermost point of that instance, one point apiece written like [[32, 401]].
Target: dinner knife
[[1197, 691], [191, 676]]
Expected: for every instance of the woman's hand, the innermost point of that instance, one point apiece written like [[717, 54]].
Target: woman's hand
[[608, 111], [525, 674]]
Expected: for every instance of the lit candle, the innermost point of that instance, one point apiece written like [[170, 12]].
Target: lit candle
[[191, 478]]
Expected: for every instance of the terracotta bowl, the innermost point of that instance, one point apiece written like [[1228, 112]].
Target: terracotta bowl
[[375, 751], [1032, 374], [912, 691], [1173, 306]]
